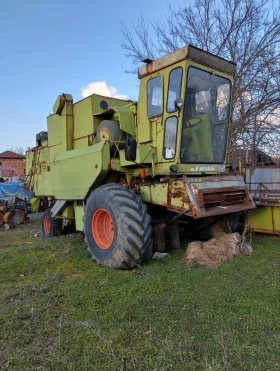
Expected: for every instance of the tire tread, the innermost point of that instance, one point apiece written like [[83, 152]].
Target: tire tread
[[136, 242]]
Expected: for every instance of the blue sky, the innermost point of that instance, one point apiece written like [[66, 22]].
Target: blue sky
[[51, 47]]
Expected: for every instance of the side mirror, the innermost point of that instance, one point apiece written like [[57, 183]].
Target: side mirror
[[130, 149], [178, 103]]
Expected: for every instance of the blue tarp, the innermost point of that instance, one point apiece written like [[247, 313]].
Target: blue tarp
[[11, 189]]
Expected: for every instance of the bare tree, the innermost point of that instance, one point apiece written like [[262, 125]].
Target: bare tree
[[246, 32], [18, 149]]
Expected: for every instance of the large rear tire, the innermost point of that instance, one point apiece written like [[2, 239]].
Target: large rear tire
[[117, 227], [51, 227]]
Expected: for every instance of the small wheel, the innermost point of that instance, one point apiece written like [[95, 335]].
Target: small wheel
[[117, 227], [19, 216], [109, 130], [8, 218], [51, 227]]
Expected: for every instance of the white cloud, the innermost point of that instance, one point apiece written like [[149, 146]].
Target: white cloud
[[100, 87]]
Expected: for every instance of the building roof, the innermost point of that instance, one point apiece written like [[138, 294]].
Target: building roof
[[10, 154]]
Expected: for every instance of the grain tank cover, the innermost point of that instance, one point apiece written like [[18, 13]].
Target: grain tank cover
[[192, 53]]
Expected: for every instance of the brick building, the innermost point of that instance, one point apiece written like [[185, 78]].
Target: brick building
[[13, 160]]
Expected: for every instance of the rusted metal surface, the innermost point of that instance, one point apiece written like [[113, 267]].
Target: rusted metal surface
[[217, 195], [163, 62], [206, 196], [267, 175], [174, 191], [218, 210], [264, 184], [188, 52], [265, 196], [43, 165], [81, 141]]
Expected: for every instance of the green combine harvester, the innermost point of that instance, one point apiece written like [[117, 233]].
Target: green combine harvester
[[106, 166]]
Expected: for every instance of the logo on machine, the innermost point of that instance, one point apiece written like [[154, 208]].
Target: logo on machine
[[203, 168], [221, 168]]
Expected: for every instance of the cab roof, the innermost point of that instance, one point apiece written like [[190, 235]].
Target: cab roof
[[188, 52]]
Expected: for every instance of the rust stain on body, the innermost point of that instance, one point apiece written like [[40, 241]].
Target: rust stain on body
[[163, 62]]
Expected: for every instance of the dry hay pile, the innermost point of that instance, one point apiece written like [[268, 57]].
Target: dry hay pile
[[210, 253]]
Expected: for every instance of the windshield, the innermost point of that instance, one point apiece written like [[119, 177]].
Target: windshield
[[205, 119]]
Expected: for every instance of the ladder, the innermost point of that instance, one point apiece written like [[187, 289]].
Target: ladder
[[29, 180]]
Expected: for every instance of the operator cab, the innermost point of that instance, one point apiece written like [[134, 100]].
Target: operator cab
[[185, 101]]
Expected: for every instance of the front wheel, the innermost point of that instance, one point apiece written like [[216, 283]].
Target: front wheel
[[117, 227]]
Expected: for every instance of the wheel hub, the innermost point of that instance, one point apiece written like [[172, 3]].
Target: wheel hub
[[47, 224], [102, 227]]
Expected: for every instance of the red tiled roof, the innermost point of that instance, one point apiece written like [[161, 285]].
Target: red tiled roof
[[10, 154]]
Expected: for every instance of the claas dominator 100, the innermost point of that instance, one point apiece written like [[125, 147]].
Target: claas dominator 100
[[109, 166]]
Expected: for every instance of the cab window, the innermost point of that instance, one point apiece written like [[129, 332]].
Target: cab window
[[154, 104], [223, 101], [174, 88], [170, 136]]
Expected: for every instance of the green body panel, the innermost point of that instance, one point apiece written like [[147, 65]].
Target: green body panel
[[43, 184], [143, 156], [69, 212], [79, 213], [169, 194], [69, 168], [163, 168], [71, 151], [35, 205], [84, 122], [63, 176], [54, 130], [265, 219], [124, 115], [175, 194], [88, 114]]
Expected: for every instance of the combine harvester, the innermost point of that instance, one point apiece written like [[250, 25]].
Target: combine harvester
[[108, 165]]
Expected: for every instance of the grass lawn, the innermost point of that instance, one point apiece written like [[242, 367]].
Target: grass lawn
[[59, 310]]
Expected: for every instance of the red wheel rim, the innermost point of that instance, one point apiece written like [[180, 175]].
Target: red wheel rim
[[47, 224], [102, 227]]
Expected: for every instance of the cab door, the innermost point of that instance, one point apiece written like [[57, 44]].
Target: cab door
[[168, 129]]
